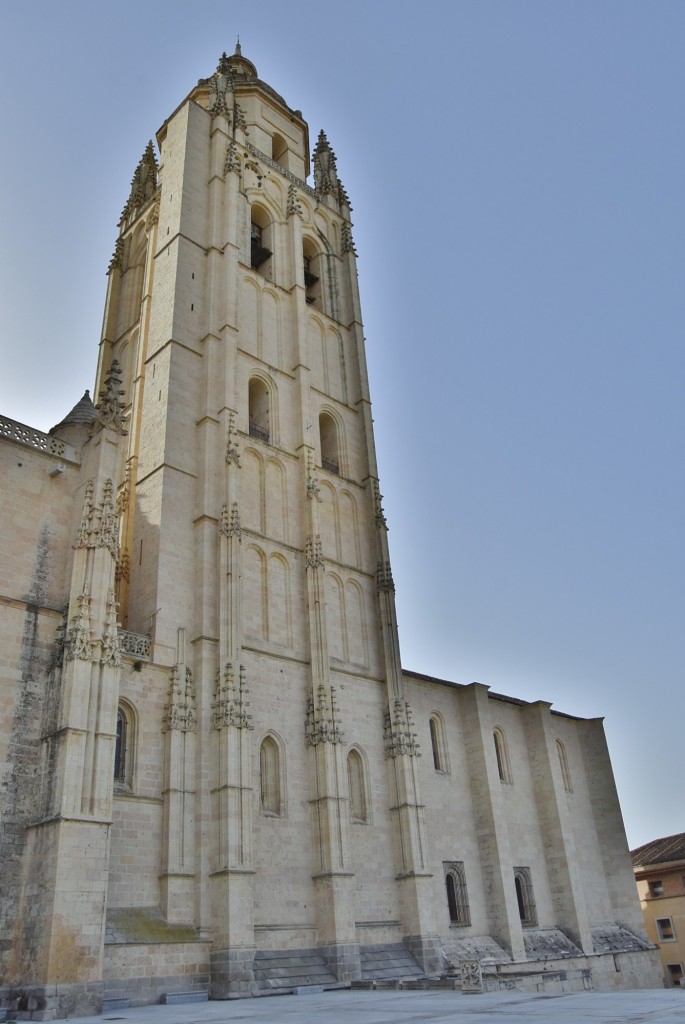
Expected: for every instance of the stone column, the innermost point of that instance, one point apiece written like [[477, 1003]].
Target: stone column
[[178, 823], [64, 889], [327, 779], [497, 867], [556, 824]]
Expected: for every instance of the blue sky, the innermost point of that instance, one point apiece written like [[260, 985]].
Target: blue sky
[[516, 173]]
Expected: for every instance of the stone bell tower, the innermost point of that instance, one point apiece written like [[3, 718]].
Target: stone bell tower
[[254, 544]]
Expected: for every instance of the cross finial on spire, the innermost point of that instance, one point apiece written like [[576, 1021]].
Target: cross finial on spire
[[238, 51]]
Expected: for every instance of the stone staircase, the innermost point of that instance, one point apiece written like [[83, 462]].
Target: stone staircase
[[388, 961], [282, 970]]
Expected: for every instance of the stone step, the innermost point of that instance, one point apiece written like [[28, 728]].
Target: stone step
[[388, 961], [289, 969]]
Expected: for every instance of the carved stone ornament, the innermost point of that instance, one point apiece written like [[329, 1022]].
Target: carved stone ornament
[[221, 85], [313, 490], [232, 448], [398, 732], [232, 161], [239, 119], [314, 553], [384, 577], [229, 525], [153, 216], [110, 407], [117, 259], [125, 492], [110, 653], [78, 643], [179, 712], [321, 724], [294, 208], [107, 534], [230, 701], [143, 183], [379, 513], [83, 534], [122, 570], [343, 197], [471, 976], [347, 240], [325, 171]]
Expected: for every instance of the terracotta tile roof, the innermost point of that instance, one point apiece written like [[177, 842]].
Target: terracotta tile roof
[[660, 850]]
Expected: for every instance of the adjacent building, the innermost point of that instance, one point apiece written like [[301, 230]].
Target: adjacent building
[[216, 775], [659, 869]]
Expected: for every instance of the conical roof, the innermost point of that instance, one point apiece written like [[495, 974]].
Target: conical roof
[[83, 412]]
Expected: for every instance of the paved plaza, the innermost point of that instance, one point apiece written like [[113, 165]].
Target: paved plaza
[[651, 1006]]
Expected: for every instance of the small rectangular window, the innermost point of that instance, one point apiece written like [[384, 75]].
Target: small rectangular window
[[664, 927], [675, 973], [656, 888]]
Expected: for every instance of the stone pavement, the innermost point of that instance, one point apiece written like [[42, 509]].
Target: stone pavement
[[650, 1006]]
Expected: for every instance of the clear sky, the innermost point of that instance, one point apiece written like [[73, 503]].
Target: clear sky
[[516, 169]]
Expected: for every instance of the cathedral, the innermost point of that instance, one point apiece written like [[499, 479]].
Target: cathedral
[[216, 778]]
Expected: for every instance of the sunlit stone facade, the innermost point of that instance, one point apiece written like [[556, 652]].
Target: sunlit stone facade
[[213, 767]]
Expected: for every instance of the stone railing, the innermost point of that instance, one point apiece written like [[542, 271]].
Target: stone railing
[[283, 170], [134, 645], [11, 430]]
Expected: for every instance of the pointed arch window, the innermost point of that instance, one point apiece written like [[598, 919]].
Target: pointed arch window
[[279, 150], [563, 764], [457, 894], [328, 434], [502, 755], [259, 409], [124, 746], [525, 896], [313, 275], [356, 781], [438, 745], [270, 783], [261, 241]]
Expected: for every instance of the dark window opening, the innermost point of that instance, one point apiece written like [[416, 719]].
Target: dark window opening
[[258, 415], [259, 252]]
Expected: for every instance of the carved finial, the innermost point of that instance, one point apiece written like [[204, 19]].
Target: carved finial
[[321, 724], [238, 51], [313, 490], [232, 161], [343, 197], [117, 259], [78, 643], [347, 240], [325, 170], [143, 183], [399, 735], [314, 553], [222, 87], [110, 653], [293, 208], [230, 701], [179, 712], [384, 576], [378, 506], [110, 407], [232, 449]]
